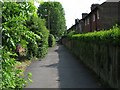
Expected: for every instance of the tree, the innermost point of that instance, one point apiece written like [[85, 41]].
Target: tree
[[54, 15]]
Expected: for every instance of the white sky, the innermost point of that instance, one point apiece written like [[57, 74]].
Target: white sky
[[74, 9]]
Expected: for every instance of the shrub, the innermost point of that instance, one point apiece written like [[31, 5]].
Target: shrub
[[10, 75], [37, 26], [70, 33]]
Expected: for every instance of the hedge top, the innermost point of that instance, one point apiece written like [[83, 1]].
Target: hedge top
[[111, 36]]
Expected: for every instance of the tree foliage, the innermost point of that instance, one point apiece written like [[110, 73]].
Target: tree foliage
[[54, 15]]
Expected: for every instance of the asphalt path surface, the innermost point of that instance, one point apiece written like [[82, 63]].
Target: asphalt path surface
[[60, 69]]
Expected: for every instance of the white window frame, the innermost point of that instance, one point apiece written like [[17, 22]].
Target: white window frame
[[98, 15], [93, 17], [85, 22], [88, 21]]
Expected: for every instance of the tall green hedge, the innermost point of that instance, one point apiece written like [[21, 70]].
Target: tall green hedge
[[111, 36]]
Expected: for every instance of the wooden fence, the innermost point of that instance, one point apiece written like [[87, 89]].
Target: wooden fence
[[103, 59]]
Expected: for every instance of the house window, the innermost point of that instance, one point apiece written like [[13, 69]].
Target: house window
[[85, 22], [80, 28], [98, 16], [93, 17], [88, 21]]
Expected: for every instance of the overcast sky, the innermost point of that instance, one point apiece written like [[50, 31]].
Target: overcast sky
[[74, 9]]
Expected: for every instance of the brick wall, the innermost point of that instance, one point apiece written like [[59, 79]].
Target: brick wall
[[108, 14], [119, 13]]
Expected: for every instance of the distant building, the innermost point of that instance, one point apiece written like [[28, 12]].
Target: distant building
[[103, 16], [112, 0]]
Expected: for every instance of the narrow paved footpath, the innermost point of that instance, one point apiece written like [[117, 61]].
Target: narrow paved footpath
[[60, 69]]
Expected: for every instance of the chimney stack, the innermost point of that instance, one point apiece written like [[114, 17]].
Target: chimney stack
[[84, 15], [76, 21], [93, 6]]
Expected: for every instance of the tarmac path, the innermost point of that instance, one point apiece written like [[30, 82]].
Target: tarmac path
[[60, 69]]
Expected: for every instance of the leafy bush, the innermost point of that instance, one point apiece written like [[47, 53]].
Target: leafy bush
[[20, 25], [37, 26], [10, 75], [51, 40], [70, 33]]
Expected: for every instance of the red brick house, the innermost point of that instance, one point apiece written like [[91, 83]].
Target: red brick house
[[101, 17]]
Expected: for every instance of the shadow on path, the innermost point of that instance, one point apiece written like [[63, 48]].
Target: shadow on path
[[71, 73], [60, 69]]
